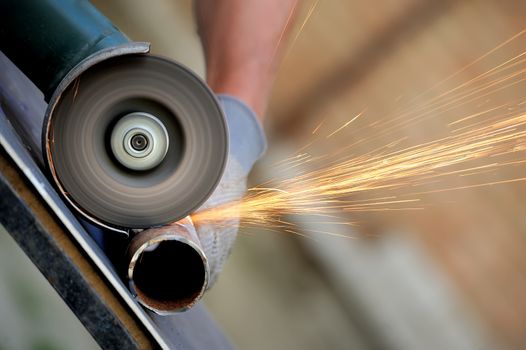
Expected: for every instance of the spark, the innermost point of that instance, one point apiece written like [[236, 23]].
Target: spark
[[284, 31], [317, 127], [326, 187], [304, 23], [477, 185], [346, 124], [327, 190]]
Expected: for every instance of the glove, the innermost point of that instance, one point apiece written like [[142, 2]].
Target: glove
[[247, 143]]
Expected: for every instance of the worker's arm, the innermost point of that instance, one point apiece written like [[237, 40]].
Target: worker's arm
[[243, 42]]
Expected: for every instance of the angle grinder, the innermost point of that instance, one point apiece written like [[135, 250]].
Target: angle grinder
[[131, 140]]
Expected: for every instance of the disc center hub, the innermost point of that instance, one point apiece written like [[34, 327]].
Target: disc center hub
[[139, 141]]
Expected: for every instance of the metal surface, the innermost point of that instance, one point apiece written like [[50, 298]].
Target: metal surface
[[88, 174], [47, 38], [24, 103], [167, 268]]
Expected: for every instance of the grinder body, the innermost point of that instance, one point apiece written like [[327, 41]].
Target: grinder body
[[46, 39]]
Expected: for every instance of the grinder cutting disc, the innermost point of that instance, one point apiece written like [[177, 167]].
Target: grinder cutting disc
[[137, 141]]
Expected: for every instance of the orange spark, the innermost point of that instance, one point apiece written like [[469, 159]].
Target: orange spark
[[327, 190]]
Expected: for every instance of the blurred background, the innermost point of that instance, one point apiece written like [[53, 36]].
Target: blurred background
[[451, 276]]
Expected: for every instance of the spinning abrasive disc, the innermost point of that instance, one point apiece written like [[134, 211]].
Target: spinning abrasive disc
[[136, 141]]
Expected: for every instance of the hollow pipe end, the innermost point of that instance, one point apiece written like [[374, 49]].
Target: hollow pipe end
[[167, 270]]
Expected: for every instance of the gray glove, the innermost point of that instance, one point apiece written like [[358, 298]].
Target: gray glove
[[247, 145]]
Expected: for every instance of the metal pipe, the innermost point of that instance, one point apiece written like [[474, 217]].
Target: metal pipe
[[167, 268], [47, 38]]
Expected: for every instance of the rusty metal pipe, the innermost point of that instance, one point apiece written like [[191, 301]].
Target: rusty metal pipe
[[167, 268]]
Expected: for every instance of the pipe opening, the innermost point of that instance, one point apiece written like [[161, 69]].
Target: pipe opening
[[172, 276]]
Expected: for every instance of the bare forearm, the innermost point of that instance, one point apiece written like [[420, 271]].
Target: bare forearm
[[243, 42]]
